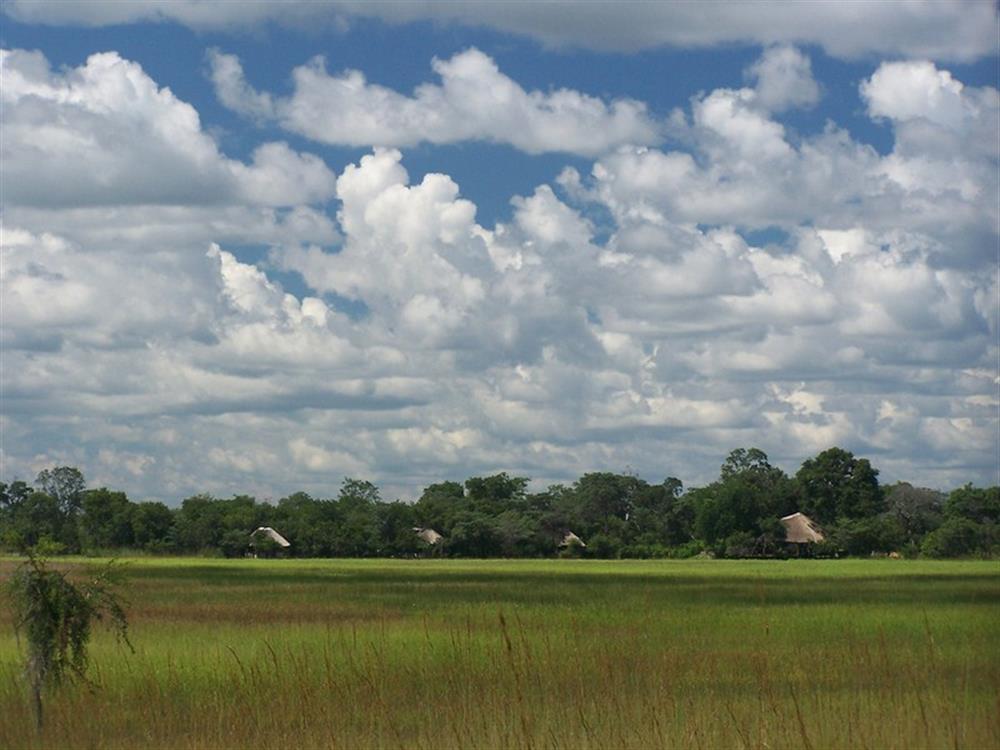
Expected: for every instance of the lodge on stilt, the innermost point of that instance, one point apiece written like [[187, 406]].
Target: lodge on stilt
[[801, 532], [266, 542]]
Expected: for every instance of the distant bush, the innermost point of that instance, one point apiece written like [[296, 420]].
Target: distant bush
[[961, 537], [687, 550], [740, 544], [862, 536], [645, 551]]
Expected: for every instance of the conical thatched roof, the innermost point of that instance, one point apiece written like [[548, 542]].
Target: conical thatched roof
[[801, 529], [271, 534], [572, 540], [428, 535]]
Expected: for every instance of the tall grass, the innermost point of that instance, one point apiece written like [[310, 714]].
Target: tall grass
[[537, 654]]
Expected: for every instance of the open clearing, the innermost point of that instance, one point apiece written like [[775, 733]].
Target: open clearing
[[535, 654]]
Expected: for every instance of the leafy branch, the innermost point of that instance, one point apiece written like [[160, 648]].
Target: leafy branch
[[54, 615]]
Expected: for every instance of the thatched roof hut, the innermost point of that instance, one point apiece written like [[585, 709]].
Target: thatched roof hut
[[266, 532], [429, 536], [572, 540], [801, 529]]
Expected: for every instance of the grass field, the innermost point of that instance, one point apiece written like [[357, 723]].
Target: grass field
[[535, 654]]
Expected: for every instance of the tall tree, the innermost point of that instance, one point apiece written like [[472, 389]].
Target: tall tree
[[744, 505], [64, 483], [979, 504], [836, 485], [916, 510], [105, 519], [152, 525], [13, 494]]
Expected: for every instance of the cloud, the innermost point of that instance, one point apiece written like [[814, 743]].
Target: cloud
[[73, 138], [626, 317], [934, 114], [939, 184], [474, 101], [914, 90], [937, 30], [783, 79]]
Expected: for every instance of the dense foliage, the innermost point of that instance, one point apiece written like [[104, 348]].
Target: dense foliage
[[616, 515]]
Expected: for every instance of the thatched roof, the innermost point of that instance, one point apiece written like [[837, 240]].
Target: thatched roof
[[801, 529], [428, 535], [271, 534], [572, 540]]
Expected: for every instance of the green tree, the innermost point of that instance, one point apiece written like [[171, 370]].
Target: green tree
[[38, 517], [604, 497], [198, 523], [916, 510], [105, 519], [152, 526], [658, 516], [308, 523], [474, 535], [396, 521], [746, 463], [64, 483], [439, 506], [862, 536], [497, 492], [960, 537], [13, 494], [358, 492], [836, 485], [743, 504], [981, 505], [357, 528]]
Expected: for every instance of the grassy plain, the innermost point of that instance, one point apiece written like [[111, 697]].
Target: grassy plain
[[535, 654]]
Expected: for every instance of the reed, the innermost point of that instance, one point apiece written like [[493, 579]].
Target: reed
[[536, 654]]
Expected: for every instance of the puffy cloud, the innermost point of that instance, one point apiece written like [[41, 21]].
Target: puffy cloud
[[939, 184], [411, 253], [54, 291], [941, 30], [232, 89], [936, 118], [783, 79], [74, 138], [739, 128], [913, 90], [474, 101], [627, 321]]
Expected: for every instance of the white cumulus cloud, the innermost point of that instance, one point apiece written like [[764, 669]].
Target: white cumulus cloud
[[474, 101], [625, 317], [76, 137]]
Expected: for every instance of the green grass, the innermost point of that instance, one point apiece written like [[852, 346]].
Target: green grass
[[535, 654]]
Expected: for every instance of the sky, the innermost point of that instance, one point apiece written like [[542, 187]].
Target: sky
[[261, 247]]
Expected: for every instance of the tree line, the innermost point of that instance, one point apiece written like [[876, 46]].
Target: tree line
[[615, 515]]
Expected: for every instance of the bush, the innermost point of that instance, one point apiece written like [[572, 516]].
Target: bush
[[603, 546], [645, 551], [862, 536], [960, 537], [55, 615], [687, 550], [740, 544]]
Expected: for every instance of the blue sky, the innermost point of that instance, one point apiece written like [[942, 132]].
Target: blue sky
[[538, 238]]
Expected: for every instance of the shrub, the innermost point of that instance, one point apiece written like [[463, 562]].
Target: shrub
[[862, 536], [740, 544], [55, 615], [959, 537], [687, 550]]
